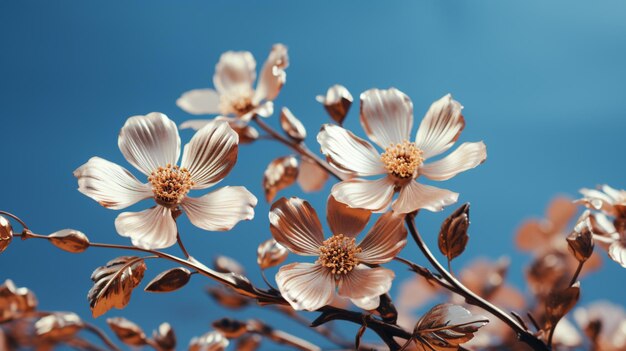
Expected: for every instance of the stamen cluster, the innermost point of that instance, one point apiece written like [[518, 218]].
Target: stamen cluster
[[338, 253], [402, 159], [170, 184], [238, 103]]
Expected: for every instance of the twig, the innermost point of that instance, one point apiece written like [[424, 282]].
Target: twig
[[100, 334]]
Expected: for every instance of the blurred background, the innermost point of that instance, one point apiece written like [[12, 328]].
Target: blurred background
[[542, 84]]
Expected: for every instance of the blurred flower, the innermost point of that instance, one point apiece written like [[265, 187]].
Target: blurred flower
[[610, 201], [387, 118], [211, 341], [15, 301], [151, 144], [341, 262], [234, 95], [605, 323]]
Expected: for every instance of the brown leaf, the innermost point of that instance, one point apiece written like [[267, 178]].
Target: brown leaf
[[279, 174], [165, 337], [249, 342], [270, 253], [311, 176], [58, 326], [292, 125], [228, 298], [247, 133], [337, 102], [446, 326], [453, 234], [69, 240], [170, 280], [128, 332], [15, 301], [6, 233], [230, 328], [225, 264], [114, 283], [559, 303]]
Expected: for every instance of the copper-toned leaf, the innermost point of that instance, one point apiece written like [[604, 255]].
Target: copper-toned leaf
[[230, 328], [311, 176], [69, 240], [6, 233], [292, 125], [15, 301], [249, 342], [165, 337], [211, 341], [279, 174], [114, 283], [446, 326], [453, 234], [580, 241], [228, 298], [270, 253], [128, 332], [225, 264], [337, 102], [58, 326], [170, 280], [561, 302], [247, 133]]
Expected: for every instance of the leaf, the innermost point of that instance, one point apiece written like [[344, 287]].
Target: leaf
[[128, 332], [560, 303], [446, 326], [270, 253], [165, 337], [170, 280], [114, 283], [337, 102], [249, 342], [69, 240], [292, 125], [58, 326], [211, 341], [453, 234], [279, 174]]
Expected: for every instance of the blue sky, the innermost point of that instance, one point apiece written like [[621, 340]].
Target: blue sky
[[542, 84]]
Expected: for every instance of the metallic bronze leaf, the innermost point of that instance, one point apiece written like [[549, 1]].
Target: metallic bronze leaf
[[453, 234], [114, 283], [69, 240], [559, 303], [292, 125], [247, 133], [446, 326], [211, 341], [227, 297], [6, 233], [337, 102], [270, 253], [58, 326], [230, 328], [170, 280], [15, 301], [165, 337], [225, 264], [280, 173], [128, 332]]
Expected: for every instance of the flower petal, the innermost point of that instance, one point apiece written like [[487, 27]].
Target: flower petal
[[305, 286], [441, 127], [617, 252], [386, 116], [560, 213], [363, 285], [414, 196], [200, 102], [273, 75], [466, 156], [374, 195], [221, 209], [295, 225], [149, 142], [234, 70], [110, 184], [211, 153], [345, 220], [195, 124], [153, 228], [311, 176], [385, 240], [349, 153]]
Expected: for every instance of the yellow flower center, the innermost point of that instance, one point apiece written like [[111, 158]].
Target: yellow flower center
[[338, 253], [402, 160], [238, 103], [170, 184]]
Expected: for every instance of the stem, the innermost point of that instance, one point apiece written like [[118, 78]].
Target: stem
[[100, 334], [181, 245], [24, 226], [470, 297], [577, 273], [322, 330]]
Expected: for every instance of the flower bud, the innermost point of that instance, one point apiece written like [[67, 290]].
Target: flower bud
[[270, 253], [165, 337], [69, 240], [230, 328], [337, 102], [453, 234], [580, 241], [6, 233], [292, 125]]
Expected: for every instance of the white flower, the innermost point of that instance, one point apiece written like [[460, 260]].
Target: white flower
[[234, 94], [151, 143], [387, 118]]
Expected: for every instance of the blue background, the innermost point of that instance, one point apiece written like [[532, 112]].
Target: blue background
[[542, 84]]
